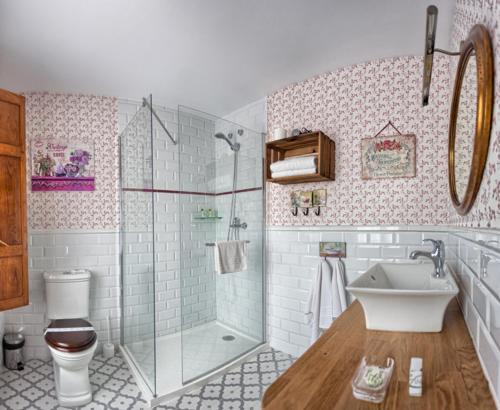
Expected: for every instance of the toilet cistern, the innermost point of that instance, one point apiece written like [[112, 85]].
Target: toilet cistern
[[437, 256]]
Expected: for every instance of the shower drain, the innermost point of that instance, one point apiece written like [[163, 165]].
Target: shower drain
[[228, 338]]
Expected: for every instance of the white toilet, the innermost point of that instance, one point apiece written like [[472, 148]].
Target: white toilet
[[71, 339]]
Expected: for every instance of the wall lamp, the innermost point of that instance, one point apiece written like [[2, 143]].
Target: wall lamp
[[430, 39]]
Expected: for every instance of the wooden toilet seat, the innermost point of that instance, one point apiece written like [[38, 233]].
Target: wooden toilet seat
[[70, 341]]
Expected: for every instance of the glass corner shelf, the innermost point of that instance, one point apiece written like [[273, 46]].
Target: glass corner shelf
[[207, 218]]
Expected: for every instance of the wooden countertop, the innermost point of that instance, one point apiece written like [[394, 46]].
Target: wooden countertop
[[321, 377]]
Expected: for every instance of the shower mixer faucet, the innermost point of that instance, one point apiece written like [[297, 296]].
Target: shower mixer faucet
[[238, 224]]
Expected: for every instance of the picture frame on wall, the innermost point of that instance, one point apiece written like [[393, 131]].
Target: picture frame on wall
[[295, 199], [58, 165], [319, 197], [306, 199], [391, 156]]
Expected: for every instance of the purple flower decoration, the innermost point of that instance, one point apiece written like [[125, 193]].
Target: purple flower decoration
[[81, 159]]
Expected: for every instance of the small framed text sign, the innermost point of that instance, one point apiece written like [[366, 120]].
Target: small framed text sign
[[62, 166], [388, 157]]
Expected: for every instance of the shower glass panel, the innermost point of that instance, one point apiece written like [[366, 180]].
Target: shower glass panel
[[138, 247], [222, 314]]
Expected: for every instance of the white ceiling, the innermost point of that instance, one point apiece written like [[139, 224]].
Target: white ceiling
[[214, 55]]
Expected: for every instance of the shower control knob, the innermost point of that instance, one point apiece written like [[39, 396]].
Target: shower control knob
[[244, 225]]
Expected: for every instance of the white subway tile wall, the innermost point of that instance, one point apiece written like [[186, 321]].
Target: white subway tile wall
[[195, 173], [137, 223], [61, 251], [240, 296], [293, 256], [206, 166], [252, 116], [474, 256]]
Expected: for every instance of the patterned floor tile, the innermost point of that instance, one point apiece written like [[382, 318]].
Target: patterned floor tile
[[114, 388], [240, 388]]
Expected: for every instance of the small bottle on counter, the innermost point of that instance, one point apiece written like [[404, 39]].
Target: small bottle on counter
[[415, 382]]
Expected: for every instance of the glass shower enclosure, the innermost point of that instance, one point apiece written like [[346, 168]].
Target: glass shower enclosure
[[137, 246], [182, 321]]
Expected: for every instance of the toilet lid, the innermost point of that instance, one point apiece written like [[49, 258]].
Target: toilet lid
[[70, 341]]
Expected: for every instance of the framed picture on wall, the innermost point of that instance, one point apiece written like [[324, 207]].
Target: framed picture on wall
[[62, 166], [306, 198], [388, 157], [319, 197], [295, 199]]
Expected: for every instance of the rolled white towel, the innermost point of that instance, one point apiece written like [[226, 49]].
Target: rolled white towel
[[294, 163], [282, 174]]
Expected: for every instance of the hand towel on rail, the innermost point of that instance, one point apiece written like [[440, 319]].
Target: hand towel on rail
[[327, 297], [338, 288], [230, 256]]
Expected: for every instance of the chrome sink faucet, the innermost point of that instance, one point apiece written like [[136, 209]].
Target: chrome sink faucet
[[436, 256]]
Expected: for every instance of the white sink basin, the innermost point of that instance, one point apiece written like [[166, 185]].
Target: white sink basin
[[404, 297]]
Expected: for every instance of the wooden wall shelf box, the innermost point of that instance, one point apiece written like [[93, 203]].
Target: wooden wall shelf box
[[312, 143]]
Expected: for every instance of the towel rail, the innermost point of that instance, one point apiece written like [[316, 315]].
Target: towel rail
[[213, 243]]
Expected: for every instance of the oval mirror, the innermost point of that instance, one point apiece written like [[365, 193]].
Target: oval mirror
[[470, 119], [465, 128]]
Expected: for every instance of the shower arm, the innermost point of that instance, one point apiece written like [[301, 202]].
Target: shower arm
[[429, 50], [146, 103]]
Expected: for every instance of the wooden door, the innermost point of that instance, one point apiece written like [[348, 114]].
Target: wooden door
[[13, 217]]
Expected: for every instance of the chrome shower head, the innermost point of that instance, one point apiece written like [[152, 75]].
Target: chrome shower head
[[234, 145]]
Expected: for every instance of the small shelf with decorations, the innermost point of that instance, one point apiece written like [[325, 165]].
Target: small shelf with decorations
[[313, 143]]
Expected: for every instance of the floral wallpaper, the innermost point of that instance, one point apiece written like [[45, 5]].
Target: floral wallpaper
[[92, 119], [356, 102], [486, 210], [348, 104]]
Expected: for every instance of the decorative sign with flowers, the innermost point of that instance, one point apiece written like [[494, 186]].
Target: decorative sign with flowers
[[62, 166], [388, 157]]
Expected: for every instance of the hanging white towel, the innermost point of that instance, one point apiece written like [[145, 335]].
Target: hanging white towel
[[327, 297], [294, 163], [338, 288], [230, 256]]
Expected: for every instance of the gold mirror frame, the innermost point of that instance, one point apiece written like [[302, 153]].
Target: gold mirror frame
[[478, 44]]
